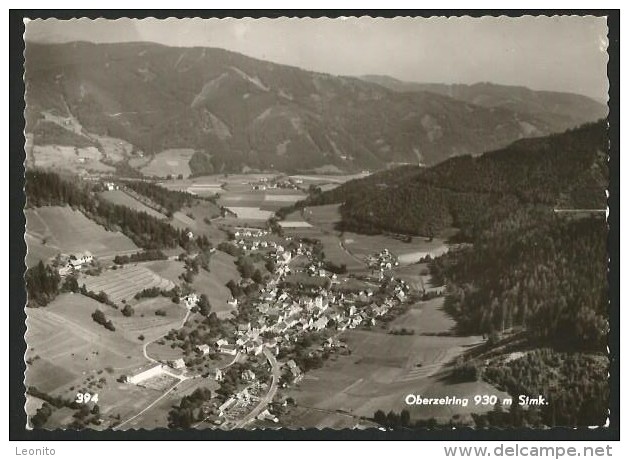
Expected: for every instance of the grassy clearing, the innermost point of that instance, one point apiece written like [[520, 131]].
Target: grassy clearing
[[169, 162], [68, 231], [145, 322], [120, 198], [212, 284], [72, 159], [407, 252], [37, 251]]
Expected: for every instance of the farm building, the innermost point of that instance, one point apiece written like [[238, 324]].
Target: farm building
[[248, 375], [78, 260], [228, 349], [145, 375], [177, 364], [191, 300], [204, 349]]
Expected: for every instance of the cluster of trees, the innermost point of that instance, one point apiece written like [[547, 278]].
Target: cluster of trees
[[229, 248], [248, 270], [99, 317], [144, 256], [44, 188], [42, 284], [575, 384], [51, 403], [189, 409], [170, 200], [544, 273]]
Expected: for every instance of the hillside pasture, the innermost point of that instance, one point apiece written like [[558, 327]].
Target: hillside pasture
[[168, 269], [125, 282], [145, 322], [121, 198], [69, 343], [36, 251], [66, 158], [171, 162], [68, 231], [212, 284]]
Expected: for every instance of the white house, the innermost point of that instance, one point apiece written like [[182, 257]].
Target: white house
[[177, 363], [204, 349], [81, 259]]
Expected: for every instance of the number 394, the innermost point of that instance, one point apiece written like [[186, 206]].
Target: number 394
[[84, 398]]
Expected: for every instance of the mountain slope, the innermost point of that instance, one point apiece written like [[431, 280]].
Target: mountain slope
[[241, 112], [560, 110], [562, 170]]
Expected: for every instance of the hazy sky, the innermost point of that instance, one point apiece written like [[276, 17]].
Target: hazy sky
[[562, 53]]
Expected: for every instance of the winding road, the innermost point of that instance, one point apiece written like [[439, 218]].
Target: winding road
[[275, 373]]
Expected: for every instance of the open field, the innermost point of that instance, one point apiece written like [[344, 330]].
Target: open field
[[145, 322], [73, 159], [198, 225], [212, 284], [68, 231], [70, 344], [250, 213], [169, 162], [168, 269], [383, 369], [120, 198], [37, 251], [407, 253], [125, 282], [324, 217]]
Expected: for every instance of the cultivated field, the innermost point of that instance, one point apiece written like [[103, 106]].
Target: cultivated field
[[120, 198], [67, 231], [125, 282], [69, 352], [169, 162], [384, 368]]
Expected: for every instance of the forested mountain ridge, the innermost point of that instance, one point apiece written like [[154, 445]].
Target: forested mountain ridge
[[557, 171], [238, 112], [561, 110]]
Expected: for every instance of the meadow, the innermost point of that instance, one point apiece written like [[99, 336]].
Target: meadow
[[212, 284], [171, 162], [67, 231], [76, 160], [69, 344], [121, 198]]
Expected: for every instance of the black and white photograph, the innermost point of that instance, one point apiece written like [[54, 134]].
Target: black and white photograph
[[351, 223]]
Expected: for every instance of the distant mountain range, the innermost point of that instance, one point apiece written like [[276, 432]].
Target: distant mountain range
[[238, 112], [560, 110]]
